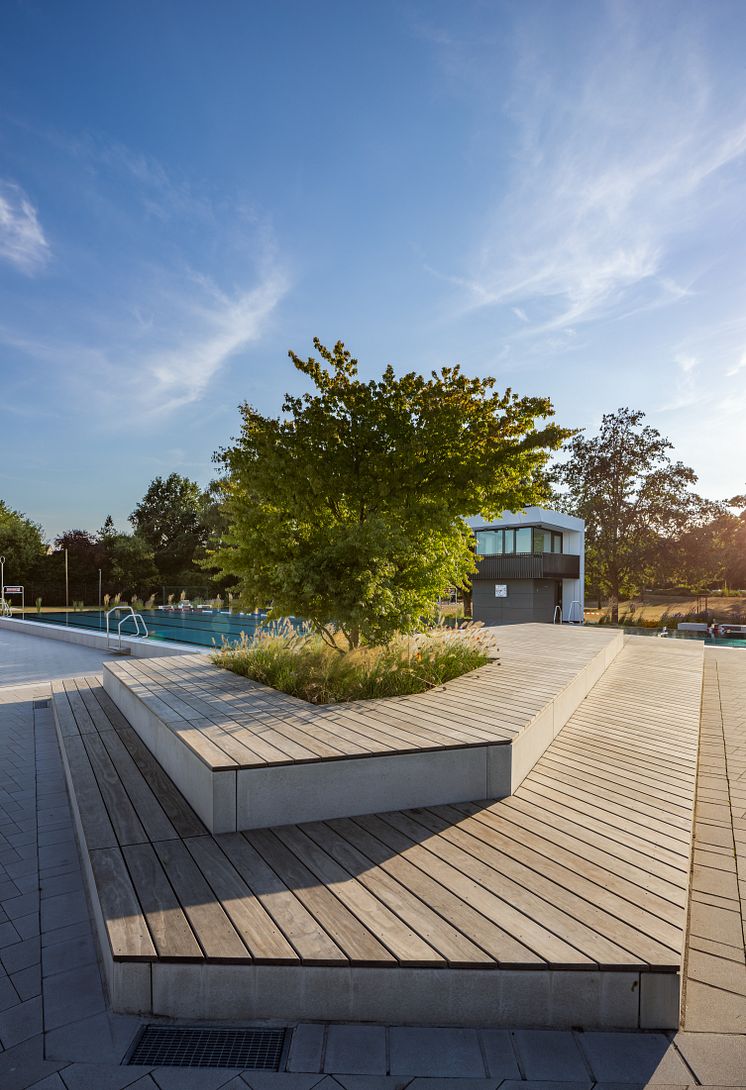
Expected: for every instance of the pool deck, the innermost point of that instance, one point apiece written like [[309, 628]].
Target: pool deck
[[247, 756], [562, 905], [57, 1031]]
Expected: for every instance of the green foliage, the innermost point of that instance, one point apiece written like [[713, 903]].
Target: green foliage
[[21, 543], [632, 497], [309, 668], [131, 563], [172, 518], [348, 510]]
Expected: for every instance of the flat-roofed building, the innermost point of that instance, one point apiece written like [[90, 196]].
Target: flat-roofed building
[[529, 564]]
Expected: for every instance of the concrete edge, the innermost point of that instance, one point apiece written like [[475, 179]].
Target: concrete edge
[[139, 648]]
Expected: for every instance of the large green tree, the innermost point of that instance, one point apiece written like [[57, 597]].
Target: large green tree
[[633, 498], [172, 517], [22, 545], [348, 510]]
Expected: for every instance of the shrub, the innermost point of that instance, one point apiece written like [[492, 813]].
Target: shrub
[[308, 667]]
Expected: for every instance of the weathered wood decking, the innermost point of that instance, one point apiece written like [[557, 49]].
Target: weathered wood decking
[[247, 756], [561, 905]]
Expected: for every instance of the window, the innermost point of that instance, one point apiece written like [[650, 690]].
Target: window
[[556, 543], [486, 542], [523, 540], [509, 544], [542, 542]]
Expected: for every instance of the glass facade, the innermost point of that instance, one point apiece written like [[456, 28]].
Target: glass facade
[[522, 539]]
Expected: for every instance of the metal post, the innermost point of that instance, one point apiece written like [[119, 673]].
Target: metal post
[[99, 589], [67, 585], [2, 581]]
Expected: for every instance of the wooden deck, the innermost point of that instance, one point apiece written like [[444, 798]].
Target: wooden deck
[[248, 756], [569, 895], [232, 722]]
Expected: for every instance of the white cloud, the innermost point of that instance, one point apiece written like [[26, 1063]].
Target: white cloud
[[22, 239], [737, 368], [520, 313], [179, 373], [613, 161]]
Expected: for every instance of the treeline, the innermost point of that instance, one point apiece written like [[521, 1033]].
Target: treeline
[[646, 526], [171, 529]]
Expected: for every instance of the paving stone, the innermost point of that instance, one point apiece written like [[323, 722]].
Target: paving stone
[[27, 926], [715, 1058], [306, 1048], [101, 1076], [437, 1051], [63, 909], [550, 1054], [541, 1084], [633, 1057], [21, 905], [8, 995], [24, 1064], [20, 1022], [66, 933], [104, 1038], [192, 1078], [499, 1053], [453, 1084], [72, 995], [27, 982], [8, 935], [379, 1082], [77, 951], [355, 1050], [51, 1082], [268, 1080]]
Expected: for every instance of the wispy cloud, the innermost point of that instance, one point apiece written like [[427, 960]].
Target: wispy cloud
[[610, 167], [180, 373], [22, 239]]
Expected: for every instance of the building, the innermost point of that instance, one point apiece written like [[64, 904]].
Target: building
[[529, 564]]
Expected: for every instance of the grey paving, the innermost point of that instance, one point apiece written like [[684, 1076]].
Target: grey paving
[[25, 660], [356, 1050], [444, 1051]]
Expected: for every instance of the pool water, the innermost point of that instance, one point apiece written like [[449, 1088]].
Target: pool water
[[203, 627]]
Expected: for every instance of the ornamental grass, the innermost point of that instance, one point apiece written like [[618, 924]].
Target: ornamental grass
[[306, 666]]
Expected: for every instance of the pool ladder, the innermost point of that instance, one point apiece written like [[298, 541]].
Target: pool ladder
[[114, 643]]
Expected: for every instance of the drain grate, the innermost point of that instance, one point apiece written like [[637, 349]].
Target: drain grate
[[41, 704], [177, 1046]]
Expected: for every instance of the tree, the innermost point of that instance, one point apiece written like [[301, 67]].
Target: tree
[[171, 519], [131, 565], [84, 553], [349, 509], [632, 496], [21, 543]]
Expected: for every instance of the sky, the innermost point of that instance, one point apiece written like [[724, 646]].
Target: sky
[[550, 193]]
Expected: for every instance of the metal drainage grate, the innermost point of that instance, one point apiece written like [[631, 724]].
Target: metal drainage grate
[[41, 704], [176, 1046]]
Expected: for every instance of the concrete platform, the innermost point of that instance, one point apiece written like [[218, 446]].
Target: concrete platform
[[246, 756]]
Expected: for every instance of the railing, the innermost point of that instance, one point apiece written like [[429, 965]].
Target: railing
[[529, 566], [557, 619], [129, 615], [5, 609]]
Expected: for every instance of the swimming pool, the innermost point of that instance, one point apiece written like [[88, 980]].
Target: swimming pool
[[203, 627]]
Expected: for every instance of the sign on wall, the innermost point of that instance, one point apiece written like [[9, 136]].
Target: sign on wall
[[501, 590]]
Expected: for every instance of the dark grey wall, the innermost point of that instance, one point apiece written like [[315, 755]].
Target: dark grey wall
[[528, 600]]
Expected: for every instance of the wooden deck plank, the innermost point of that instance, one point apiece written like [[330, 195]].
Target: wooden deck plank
[[263, 939], [169, 928], [207, 918], [125, 924], [298, 925]]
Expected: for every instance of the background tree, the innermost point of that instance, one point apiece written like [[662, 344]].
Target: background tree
[[84, 554], [348, 510], [22, 545], [633, 498], [171, 519]]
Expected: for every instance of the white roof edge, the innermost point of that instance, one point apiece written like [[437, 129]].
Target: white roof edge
[[531, 516]]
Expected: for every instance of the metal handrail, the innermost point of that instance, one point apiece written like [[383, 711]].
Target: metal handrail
[[557, 609], [5, 608], [129, 615]]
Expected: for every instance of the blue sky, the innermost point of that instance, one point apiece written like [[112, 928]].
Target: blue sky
[[552, 193]]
